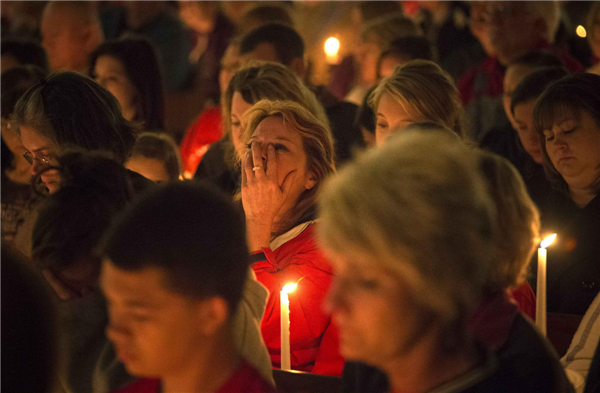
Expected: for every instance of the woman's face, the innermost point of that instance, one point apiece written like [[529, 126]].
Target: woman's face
[[110, 73], [573, 146], [238, 108], [43, 151], [373, 309], [594, 35], [289, 155], [391, 115], [526, 130]]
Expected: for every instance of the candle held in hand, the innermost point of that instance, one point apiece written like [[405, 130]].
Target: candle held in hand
[[285, 325], [540, 310]]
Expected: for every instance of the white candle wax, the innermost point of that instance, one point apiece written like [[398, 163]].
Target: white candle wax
[[285, 331], [540, 308]]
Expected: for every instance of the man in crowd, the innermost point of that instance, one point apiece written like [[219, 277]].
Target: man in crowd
[[70, 31]]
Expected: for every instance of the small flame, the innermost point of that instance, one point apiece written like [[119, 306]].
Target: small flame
[[547, 241], [289, 288], [580, 31], [332, 46]]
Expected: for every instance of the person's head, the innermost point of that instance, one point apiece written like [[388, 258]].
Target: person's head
[[263, 81], [365, 120], [156, 157], [70, 31], [199, 16], [72, 220], [230, 63], [16, 52], [517, 27], [517, 221], [401, 51], [303, 149], [417, 91], [366, 11], [522, 103], [173, 270], [478, 23], [264, 14], [129, 68], [376, 36], [411, 258], [275, 42], [519, 69], [29, 329], [567, 117], [15, 82], [593, 29], [70, 109]]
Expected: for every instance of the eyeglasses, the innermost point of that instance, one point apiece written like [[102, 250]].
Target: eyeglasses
[[30, 159]]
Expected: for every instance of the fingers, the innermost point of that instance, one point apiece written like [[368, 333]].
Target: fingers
[[287, 184], [257, 159], [247, 168], [271, 163]]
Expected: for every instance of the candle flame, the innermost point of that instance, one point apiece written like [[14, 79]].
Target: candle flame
[[332, 46], [547, 241], [289, 288], [580, 31]]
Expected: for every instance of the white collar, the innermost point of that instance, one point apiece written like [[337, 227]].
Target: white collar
[[289, 235]]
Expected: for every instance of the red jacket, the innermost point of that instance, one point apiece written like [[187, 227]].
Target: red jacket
[[524, 297], [314, 341], [204, 131]]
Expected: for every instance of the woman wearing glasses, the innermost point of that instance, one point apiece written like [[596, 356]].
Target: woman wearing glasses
[[69, 109], [18, 199]]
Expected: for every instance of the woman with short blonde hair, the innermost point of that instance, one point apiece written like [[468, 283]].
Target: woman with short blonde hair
[[417, 91], [289, 153], [414, 260]]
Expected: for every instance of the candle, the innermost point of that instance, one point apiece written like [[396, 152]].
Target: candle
[[285, 325], [332, 47], [540, 309]]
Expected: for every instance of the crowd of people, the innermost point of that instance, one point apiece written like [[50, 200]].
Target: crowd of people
[[404, 199]]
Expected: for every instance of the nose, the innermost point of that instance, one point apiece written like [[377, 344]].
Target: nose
[[36, 167], [115, 331]]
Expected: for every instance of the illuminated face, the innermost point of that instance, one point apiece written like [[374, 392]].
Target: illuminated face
[[44, 151], [110, 73], [289, 154], [238, 108], [529, 137], [375, 313], [154, 330], [151, 168], [391, 114], [573, 146], [63, 41]]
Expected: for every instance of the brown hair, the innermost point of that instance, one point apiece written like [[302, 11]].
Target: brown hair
[[423, 85], [318, 146]]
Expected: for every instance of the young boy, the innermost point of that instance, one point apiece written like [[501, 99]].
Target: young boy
[[173, 273]]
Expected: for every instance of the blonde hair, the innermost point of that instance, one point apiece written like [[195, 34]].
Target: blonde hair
[[517, 224], [273, 81], [316, 140], [590, 21], [426, 217], [424, 86]]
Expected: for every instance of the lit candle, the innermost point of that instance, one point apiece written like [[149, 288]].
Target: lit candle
[[332, 47], [540, 309], [285, 325]]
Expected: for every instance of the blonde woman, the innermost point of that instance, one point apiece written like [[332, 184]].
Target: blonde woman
[[413, 261], [255, 82], [289, 153], [417, 91]]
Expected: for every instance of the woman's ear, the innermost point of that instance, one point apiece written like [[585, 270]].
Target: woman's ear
[[212, 314], [311, 181]]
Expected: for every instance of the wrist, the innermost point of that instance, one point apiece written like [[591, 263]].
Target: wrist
[[258, 234]]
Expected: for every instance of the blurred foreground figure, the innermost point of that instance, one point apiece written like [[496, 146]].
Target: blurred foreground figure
[[414, 262], [174, 276]]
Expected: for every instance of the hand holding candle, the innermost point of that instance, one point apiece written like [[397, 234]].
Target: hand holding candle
[[285, 325], [540, 309]]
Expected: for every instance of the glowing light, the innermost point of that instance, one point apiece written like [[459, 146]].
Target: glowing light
[[332, 46], [289, 288], [580, 30], [547, 241]]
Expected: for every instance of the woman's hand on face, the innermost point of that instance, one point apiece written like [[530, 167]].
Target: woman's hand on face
[[62, 291], [262, 197]]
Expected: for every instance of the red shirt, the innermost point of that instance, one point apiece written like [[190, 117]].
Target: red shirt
[[524, 297], [204, 131], [314, 340], [245, 380]]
